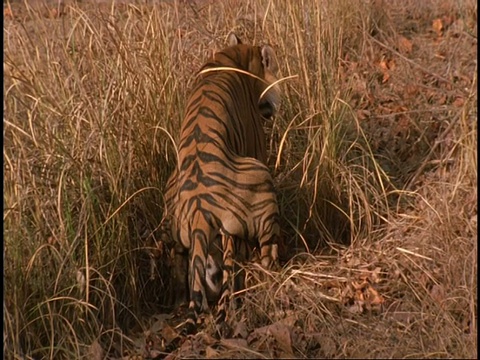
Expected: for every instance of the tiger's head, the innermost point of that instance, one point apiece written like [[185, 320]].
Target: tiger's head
[[259, 62]]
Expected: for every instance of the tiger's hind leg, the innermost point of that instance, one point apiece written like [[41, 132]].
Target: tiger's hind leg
[[223, 330], [180, 275], [179, 264], [242, 255], [269, 237], [200, 237]]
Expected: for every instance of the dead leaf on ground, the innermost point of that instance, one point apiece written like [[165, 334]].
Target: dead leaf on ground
[[383, 64], [7, 13], [356, 308], [371, 276], [386, 65], [438, 294], [56, 12], [240, 330], [405, 45], [154, 344], [458, 102], [289, 320], [235, 343], [448, 20], [280, 333], [437, 26], [211, 353], [53, 13], [359, 285], [362, 115], [157, 325], [375, 277], [442, 100], [328, 347], [402, 125], [191, 346], [299, 340], [95, 351], [169, 334], [402, 317], [374, 298], [411, 90]]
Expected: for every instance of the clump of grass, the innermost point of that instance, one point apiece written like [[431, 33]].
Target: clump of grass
[[426, 308], [336, 190], [84, 173]]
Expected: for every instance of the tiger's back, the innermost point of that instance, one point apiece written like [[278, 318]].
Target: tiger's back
[[221, 186], [220, 108]]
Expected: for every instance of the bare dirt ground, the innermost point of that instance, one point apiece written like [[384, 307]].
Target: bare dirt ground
[[410, 295]]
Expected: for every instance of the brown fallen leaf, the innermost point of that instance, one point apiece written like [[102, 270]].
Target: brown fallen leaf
[[438, 294], [359, 296], [371, 276], [279, 332], [375, 277], [386, 65], [437, 26], [448, 20], [169, 334], [402, 317], [360, 285], [193, 345], [53, 13], [383, 64], [52, 240], [235, 343], [240, 330], [458, 102], [133, 357], [157, 325], [362, 115], [442, 100], [171, 356], [299, 339], [391, 64], [468, 324], [289, 321], [211, 353], [356, 308], [403, 124], [56, 12], [411, 90], [7, 13], [374, 298], [405, 45], [279, 354], [347, 294], [153, 344], [95, 351], [328, 347]]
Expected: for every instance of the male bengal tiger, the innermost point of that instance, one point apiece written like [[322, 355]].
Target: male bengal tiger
[[221, 192]]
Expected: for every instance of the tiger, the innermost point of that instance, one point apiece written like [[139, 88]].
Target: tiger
[[221, 192]]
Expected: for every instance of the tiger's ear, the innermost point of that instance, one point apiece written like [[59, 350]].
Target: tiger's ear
[[269, 60], [233, 40]]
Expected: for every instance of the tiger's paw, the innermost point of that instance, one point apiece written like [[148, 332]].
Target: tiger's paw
[[270, 257]]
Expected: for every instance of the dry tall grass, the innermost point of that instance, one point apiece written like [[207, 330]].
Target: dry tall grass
[[93, 98]]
